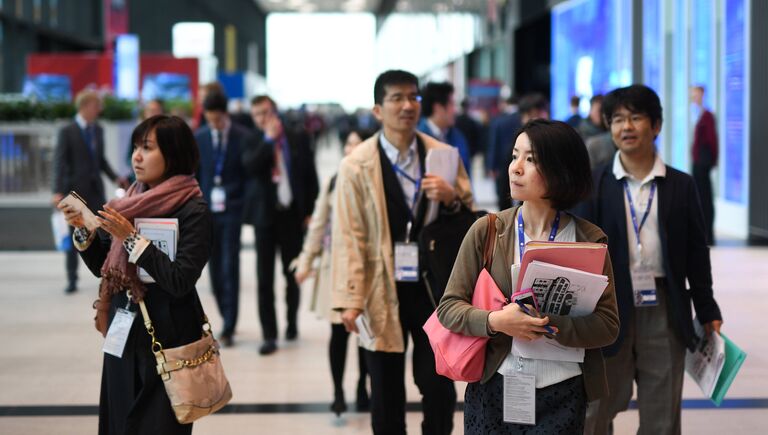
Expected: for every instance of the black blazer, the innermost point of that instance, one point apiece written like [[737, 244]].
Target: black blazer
[[175, 311], [233, 175], [74, 168], [685, 254], [261, 191]]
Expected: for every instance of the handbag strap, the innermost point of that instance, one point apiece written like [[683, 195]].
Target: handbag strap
[[490, 242]]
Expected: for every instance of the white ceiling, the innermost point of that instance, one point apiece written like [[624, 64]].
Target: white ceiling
[[413, 6]]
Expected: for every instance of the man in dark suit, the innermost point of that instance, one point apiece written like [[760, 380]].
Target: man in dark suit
[[657, 241], [78, 162], [501, 137], [222, 180], [280, 196]]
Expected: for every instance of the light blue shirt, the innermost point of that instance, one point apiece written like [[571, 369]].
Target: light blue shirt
[[408, 161]]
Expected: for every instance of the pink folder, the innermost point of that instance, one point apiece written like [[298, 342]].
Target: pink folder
[[589, 257]]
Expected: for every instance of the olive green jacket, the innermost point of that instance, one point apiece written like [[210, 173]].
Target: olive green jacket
[[591, 332]]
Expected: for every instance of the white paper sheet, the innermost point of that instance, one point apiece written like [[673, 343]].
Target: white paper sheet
[[706, 363], [443, 162], [164, 234]]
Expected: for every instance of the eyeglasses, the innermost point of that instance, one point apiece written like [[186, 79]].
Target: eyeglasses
[[400, 99], [634, 118]]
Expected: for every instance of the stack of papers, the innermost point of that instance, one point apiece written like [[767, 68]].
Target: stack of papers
[[584, 256], [560, 291], [714, 363]]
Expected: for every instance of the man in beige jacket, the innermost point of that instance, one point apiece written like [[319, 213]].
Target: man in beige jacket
[[382, 196]]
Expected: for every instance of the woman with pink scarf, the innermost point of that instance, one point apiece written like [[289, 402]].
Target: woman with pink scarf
[[165, 159]]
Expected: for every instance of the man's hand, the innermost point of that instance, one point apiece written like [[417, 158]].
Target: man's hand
[[300, 277], [348, 318], [713, 326], [437, 189]]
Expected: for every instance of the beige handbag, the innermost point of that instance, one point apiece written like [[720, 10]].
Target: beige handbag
[[192, 374]]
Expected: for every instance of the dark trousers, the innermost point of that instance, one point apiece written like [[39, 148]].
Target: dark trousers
[[704, 186], [224, 266], [71, 260], [286, 234], [387, 371]]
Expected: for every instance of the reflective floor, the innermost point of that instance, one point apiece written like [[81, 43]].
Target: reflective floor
[[50, 355]]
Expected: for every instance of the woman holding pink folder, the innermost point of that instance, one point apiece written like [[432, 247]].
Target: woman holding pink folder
[[550, 173]]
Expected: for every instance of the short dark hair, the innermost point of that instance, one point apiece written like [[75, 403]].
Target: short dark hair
[[636, 99], [176, 143], [215, 102], [562, 160], [390, 78], [575, 101], [435, 93], [363, 133], [259, 99], [598, 98], [533, 101]]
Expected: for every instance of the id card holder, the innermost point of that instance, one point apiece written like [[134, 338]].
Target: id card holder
[[406, 262], [118, 332], [218, 199], [519, 398], [644, 287]]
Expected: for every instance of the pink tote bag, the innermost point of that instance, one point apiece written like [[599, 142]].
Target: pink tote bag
[[462, 357]]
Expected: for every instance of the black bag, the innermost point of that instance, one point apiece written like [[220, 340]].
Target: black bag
[[439, 244]]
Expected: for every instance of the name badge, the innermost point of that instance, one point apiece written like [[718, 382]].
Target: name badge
[[406, 262], [520, 398], [644, 287], [218, 199], [118, 332]]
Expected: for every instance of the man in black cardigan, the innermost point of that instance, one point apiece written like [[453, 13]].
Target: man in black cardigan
[[657, 239], [78, 162], [279, 199]]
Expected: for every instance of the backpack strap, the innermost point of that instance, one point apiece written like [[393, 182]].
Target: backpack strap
[[490, 242]]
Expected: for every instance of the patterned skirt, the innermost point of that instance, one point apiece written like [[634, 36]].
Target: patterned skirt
[[560, 409]]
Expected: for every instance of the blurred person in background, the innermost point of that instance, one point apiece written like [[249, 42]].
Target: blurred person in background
[[279, 199], [222, 181], [202, 92], [438, 117], [133, 399], [501, 140], [575, 119], [704, 155], [471, 128], [318, 243], [78, 162], [593, 125]]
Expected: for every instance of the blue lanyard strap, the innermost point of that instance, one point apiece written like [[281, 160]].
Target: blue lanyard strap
[[416, 183], [639, 227], [521, 230]]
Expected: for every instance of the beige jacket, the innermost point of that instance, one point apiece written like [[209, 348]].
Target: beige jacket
[[591, 332], [315, 245], [362, 267]]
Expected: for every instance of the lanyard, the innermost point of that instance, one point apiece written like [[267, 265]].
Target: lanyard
[[637, 227], [416, 183], [521, 231]]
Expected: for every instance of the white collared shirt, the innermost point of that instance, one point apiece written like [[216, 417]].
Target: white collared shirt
[[223, 134], [649, 235], [408, 161], [81, 122]]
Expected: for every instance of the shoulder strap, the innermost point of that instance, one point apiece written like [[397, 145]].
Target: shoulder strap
[[490, 242]]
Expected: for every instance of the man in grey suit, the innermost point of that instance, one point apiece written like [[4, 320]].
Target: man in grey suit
[[78, 162]]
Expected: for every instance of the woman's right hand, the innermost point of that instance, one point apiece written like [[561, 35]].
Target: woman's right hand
[[71, 215], [514, 322]]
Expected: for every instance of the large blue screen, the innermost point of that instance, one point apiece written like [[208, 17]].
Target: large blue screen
[[591, 51]]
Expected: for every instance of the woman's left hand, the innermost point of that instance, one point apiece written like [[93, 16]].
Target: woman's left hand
[[115, 224]]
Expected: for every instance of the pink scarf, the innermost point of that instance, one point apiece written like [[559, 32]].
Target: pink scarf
[[140, 201]]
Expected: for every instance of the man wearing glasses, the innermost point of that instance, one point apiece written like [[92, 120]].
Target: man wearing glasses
[[382, 196], [657, 240]]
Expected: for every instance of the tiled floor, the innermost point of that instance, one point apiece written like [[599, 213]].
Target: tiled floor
[[50, 355]]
